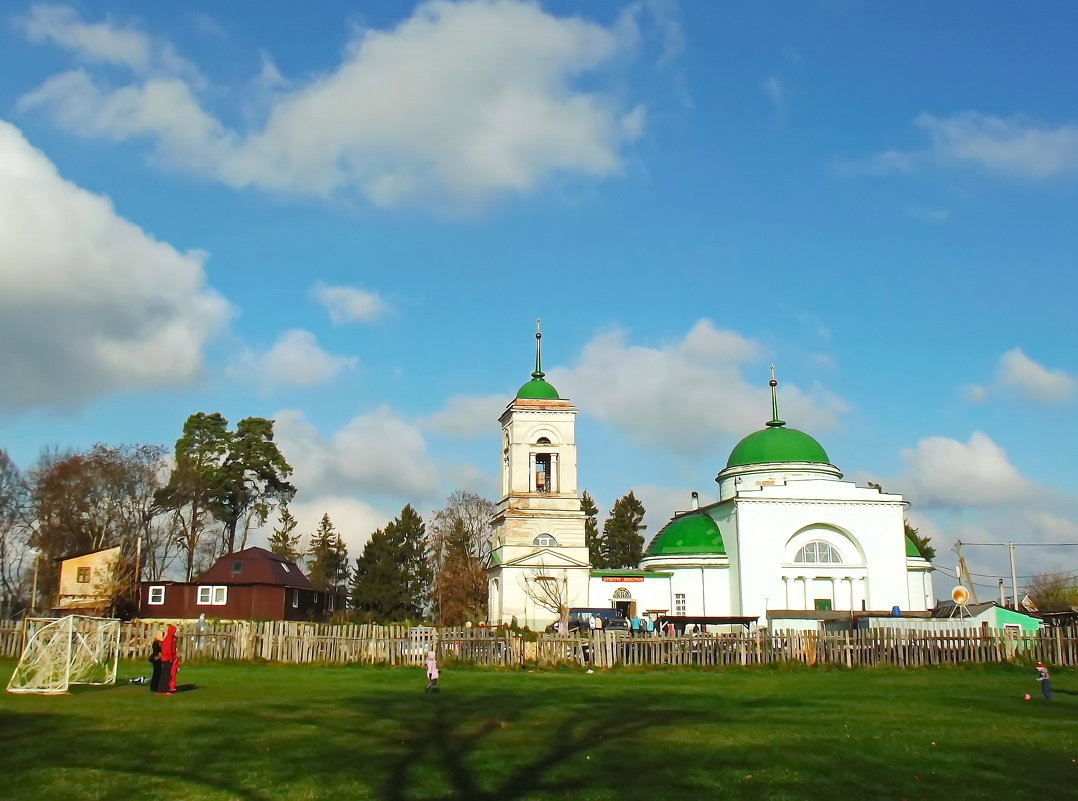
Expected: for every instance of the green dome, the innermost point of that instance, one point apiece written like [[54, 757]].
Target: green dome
[[776, 443], [911, 548], [537, 389], [690, 534]]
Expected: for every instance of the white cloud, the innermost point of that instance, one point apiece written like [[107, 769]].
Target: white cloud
[[776, 92], [682, 396], [101, 41], [459, 102], [1034, 381], [295, 359], [947, 473], [354, 519], [1011, 146], [375, 453], [466, 416], [975, 393], [347, 304], [89, 303]]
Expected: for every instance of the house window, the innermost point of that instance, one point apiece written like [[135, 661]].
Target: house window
[[679, 603], [329, 602], [212, 596], [545, 541], [83, 576], [287, 569], [157, 595], [295, 599], [237, 566], [818, 552]]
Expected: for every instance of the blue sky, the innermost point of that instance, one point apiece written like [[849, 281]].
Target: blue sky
[[347, 217]]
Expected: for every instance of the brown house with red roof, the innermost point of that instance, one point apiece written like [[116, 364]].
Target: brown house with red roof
[[252, 584]]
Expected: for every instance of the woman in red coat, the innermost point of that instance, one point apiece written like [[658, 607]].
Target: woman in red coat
[[170, 663]]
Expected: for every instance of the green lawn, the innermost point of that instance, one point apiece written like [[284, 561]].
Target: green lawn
[[274, 732]]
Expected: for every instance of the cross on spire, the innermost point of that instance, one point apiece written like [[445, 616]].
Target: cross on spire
[[775, 422]]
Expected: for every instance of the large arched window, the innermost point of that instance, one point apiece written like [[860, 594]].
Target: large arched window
[[818, 552], [545, 541], [622, 594]]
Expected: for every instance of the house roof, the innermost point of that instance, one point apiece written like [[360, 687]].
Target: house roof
[[255, 566]]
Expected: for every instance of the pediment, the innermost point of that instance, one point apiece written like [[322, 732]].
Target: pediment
[[544, 557]]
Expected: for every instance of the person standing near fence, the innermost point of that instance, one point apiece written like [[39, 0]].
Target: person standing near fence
[[432, 672], [155, 660], [1043, 679], [168, 658]]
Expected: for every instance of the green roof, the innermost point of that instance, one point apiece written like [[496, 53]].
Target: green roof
[[694, 533], [631, 573], [911, 548], [776, 443], [537, 389]]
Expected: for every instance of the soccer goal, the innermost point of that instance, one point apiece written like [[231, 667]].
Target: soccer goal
[[65, 651]]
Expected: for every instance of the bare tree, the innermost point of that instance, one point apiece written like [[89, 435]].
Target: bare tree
[[14, 555], [459, 550], [1053, 591], [549, 589]]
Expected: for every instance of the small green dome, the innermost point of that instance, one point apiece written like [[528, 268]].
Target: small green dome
[[911, 548], [694, 533], [776, 443], [537, 389]]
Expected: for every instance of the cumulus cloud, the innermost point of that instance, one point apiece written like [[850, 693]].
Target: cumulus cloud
[[374, 453], [682, 396], [466, 416], [1032, 380], [1009, 146], [459, 102], [346, 304], [947, 473], [295, 359], [90, 304]]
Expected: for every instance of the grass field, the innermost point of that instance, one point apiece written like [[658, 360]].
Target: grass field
[[277, 732]]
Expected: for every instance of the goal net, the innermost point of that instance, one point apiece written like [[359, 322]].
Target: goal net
[[71, 650]]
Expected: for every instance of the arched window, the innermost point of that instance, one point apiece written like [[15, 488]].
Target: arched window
[[542, 441], [545, 541], [622, 594], [818, 552]]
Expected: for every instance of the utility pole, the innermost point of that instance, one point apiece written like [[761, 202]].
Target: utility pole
[[1014, 576]]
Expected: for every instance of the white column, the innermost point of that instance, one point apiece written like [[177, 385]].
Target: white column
[[531, 473], [555, 474]]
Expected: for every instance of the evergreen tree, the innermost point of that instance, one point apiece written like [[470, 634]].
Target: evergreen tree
[[926, 550], [327, 557], [283, 542], [591, 528], [392, 578], [622, 544]]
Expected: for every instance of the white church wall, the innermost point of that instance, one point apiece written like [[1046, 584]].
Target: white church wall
[[767, 523]]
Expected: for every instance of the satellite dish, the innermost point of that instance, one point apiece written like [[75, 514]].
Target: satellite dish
[[960, 595]]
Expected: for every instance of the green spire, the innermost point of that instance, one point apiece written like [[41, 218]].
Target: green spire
[[775, 422], [538, 374]]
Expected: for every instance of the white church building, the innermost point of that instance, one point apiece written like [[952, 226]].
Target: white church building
[[787, 534]]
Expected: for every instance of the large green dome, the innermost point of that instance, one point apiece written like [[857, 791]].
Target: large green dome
[[537, 389], [776, 443], [694, 533]]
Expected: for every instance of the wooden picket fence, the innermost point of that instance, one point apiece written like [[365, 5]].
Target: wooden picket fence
[[338, 644]]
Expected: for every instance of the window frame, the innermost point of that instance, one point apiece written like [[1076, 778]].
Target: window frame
[[158, 591], [680, 604], [212, 595], [83, 574]]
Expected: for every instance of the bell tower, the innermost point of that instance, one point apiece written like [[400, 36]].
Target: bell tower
[[539, 560]]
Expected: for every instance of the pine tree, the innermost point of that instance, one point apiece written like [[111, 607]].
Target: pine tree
[[283, 542], [591, 529], [327, 557], [622, 544], [392, 578]]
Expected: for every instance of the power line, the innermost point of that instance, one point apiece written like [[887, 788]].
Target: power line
[[1024, 544]]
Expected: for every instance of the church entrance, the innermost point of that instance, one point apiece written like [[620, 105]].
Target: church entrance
[[623, 602]]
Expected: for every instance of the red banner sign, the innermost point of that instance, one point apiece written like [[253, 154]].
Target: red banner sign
[[622, 579]]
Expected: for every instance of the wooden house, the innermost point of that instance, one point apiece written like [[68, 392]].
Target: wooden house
[[252, 584]]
